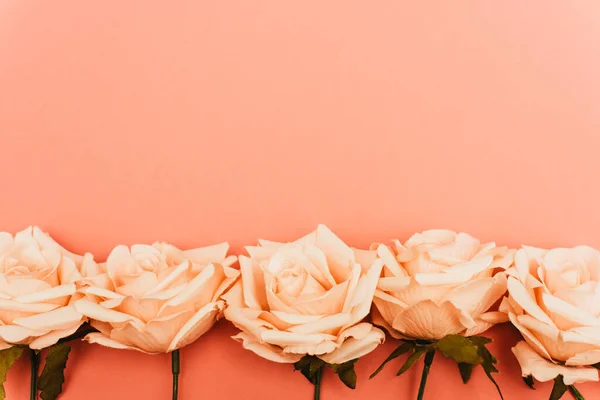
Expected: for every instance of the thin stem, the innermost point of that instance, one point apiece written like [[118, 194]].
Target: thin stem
[[318, 383], [35, 362], [576, 394], [175, 367], [426, 368]]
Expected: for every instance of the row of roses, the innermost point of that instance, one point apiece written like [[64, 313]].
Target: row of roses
[[308, 303]]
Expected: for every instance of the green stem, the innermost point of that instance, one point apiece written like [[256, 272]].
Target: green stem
[[426, 368], [175, 370], [35, 362], [318, 384], [576, 394]]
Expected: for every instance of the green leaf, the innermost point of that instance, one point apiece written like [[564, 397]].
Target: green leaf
[[465, 371], [576, 394], [488, 368], [558, 389], [417, 353], [529, 381], [346, 373], [480, 340], [460, 349], [310, 367], [597, 365], [400, 350], [53, 375], [7, 359]]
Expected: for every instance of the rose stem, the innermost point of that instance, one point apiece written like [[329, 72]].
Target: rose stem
[[426, 367], [575, 392], [35, 360], [318, 383], [175, 370]]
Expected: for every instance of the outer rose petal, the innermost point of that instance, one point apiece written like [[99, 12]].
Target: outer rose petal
[[272, 353], [61, 318], [543, 370], [196, 326], [51, 338], [108, 342], [355, 348], [427, 320]]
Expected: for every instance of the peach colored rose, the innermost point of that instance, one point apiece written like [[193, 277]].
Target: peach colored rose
[[308, 297], [554, 300], [38, 281], [439, 283], [156, 298]]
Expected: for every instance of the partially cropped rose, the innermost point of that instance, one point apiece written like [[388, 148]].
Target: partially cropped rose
[[440, 283], [38, 283], [554, 301], [156, 298], [309, 297]]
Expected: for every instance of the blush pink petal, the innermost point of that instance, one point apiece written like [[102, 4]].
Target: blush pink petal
[[296, 319], [485, 321], [52, 338], [584, 359], [18, 334], [362, 299], [543, 370], [11, 305], [318, 266], [139, 286], [97, 312], [311, 349], [521, 296], [455, 275], [117, 255], [478, 295], [354, 348], [390, 261], [246, 319], [329, 324], [394, 284], [61, 318], [529, 337], [103, 340], [427, 320], [266, 351], [234, 297], [196, 326], [254, 284], [288, 338], [570, 316], [339, 256], [173, 275], [331, 302], [51, 294]]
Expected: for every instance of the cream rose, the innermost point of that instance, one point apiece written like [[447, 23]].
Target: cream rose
[[308, 297], [156, 298], [38, 283], [439, 283], [554, 301]]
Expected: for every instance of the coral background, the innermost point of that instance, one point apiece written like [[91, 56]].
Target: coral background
[[197, 122]]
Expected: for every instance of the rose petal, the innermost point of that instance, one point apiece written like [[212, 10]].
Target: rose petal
[[18, 334], [266, 351], [478, 295], [253, 284], [103, 340], [355, 348], [329, 324], [585, 358], [196, 326], [48, 294], [390, 261], [427, 320], [339, 255], [97, 312], [52, 338], [61, 318], [456, 274], [543, 370], [521, 296], [571, 316]]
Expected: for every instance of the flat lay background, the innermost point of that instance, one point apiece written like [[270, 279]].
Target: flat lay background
[[196, 122]]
